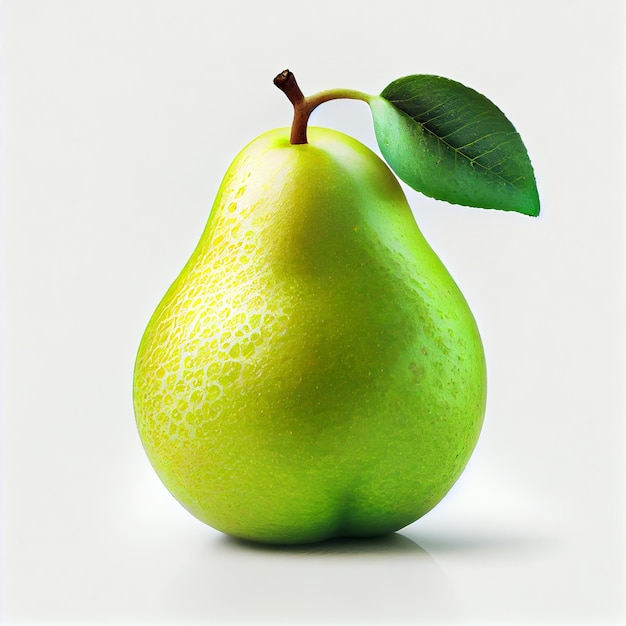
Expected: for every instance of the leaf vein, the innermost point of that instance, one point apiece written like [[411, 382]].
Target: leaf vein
[[456, 152]]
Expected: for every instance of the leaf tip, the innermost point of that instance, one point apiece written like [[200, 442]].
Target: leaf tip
[[533, 206]]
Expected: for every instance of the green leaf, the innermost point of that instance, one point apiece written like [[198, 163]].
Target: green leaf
[[452, 143]]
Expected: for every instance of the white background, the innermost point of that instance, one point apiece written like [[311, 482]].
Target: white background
[[119, 120]]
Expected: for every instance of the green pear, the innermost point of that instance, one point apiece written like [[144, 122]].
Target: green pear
[[314, 371]]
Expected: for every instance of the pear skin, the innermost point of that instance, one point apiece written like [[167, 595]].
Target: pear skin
[[314, 371]]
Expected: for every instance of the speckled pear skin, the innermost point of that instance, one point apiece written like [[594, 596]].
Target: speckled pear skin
[[314, 371]]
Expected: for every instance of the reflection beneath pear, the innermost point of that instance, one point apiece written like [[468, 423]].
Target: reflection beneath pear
[[384, 580], [394, 543]]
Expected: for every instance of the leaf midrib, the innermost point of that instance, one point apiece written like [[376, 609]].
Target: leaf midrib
[[457, 150]]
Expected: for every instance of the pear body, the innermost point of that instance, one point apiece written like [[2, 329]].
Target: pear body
[[314, 371]]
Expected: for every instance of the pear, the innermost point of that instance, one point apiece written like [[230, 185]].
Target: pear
[[314, 371]]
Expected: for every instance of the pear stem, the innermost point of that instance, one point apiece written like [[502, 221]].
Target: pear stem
[[304, 106]]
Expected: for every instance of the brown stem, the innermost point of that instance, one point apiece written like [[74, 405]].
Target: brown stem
[[286, 82], [302, 107]]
